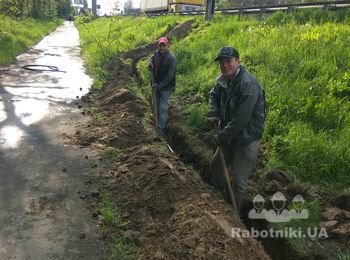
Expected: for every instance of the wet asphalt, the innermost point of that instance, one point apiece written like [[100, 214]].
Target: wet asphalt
[[42, 174]]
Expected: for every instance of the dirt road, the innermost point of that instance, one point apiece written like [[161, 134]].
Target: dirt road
[[41, 175]]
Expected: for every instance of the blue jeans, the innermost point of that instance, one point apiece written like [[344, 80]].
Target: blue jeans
[[162, 98]]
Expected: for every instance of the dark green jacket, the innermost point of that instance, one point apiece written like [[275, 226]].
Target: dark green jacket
[[240, 105], [164, 70]]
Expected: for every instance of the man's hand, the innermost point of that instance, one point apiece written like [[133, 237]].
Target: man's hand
[[150, 67], [217, 140]]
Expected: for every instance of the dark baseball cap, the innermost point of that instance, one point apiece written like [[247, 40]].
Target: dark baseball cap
[[229, 52]]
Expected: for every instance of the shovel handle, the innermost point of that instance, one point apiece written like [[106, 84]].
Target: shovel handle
[[227, 178], [154, 101]]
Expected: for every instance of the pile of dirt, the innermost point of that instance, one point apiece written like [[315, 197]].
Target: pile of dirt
[[197, 149], [172, 213], [116, 114]]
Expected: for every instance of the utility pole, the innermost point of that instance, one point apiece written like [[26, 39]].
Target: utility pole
[[94, 7], [209, 9]]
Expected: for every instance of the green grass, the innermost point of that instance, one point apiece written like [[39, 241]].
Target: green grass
[[300, 58], [343, 255], [303, 245], [302, 61], [110, 154], [17, 35], [112, 222], [105, 38]]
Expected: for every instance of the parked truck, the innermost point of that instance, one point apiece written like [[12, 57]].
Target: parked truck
[[164, 6]]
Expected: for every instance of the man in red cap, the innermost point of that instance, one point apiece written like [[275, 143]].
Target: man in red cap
[[163, 67]]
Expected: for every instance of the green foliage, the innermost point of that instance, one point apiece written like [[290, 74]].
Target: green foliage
[[110, 154], [38, 9], [343, 255], [105, 38], [123, 249], [302, 60], [44, 9], [112, 222], [303, 245], [17, 36], [64, 8], [197, 114]]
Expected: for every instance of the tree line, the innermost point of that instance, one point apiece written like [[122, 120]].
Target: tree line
[[39, 9]]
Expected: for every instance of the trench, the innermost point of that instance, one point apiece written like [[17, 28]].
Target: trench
[[181, 143], [199, 159], [197, 154]]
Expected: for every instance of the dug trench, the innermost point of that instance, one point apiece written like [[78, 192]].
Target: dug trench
[[171, 213], [168, 212], [171, 209]]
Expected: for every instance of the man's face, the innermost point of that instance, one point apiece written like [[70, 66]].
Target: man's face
[[229, 66], [163, 47]]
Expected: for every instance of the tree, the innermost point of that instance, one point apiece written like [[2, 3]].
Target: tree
[[128, 4], [44, 9], [64, 8]]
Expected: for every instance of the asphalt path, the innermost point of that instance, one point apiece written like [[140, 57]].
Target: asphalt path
[[42, 215]]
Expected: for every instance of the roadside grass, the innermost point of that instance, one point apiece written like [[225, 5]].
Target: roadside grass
[[110, 154], [302, 61], [112, 222], [343, 255], [104, 38], [16, 36], [308, 230]]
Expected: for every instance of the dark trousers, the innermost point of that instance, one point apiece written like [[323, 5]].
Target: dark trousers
[[240, 161]]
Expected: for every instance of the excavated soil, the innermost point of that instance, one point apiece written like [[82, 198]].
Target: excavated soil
[[172, 213]]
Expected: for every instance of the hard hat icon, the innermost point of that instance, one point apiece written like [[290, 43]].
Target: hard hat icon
[[258, 202], [278, 200], [298, 198], [278, 196]]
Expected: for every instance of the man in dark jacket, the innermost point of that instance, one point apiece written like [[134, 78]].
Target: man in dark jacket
[[163, 67], [237, 102]]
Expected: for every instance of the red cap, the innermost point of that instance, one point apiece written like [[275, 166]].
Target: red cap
[[163, 40]]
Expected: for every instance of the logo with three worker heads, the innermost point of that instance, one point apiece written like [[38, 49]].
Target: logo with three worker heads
[[279, 212]]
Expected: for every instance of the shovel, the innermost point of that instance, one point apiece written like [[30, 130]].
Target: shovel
[[227, 178], [154, 101]]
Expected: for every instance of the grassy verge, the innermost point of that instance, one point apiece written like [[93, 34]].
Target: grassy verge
[[105, 38], [17, 36], [112, 223], [302, 60]]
